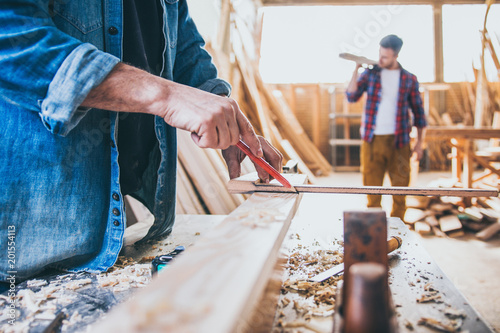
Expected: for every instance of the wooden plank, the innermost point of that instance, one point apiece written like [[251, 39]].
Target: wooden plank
[[316, 116], [434, 223], [215, 284], [437, 13], [489, 231], [204, 176], [358, 59], [449, 223], [249, 184], [414, 215], [466, 132], [422, 228]]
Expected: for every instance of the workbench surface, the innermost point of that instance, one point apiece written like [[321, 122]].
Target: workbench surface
[[413, 274], [420, 290]]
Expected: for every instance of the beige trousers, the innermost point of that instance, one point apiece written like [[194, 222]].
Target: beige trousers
[[381, 156]]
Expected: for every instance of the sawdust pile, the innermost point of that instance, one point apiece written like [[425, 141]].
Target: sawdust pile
[[39, 301], [300, 299]]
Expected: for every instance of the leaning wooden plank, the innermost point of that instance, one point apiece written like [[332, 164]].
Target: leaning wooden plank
[[220, 168], [249, 184], [301, 165], [205, 178], [186, 193], [214, 284], [489, 231]]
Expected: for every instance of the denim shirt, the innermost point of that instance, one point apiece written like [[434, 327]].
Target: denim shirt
[[59, 174]]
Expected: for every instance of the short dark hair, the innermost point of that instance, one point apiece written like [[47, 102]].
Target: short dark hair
[[392, 42]]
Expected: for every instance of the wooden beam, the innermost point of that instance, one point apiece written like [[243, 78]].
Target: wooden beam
[[437, 10], [467, 132], [316, 116], [214, 285], [249, 184]]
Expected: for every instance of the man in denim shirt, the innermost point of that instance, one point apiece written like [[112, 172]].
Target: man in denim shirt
[[67, 94]]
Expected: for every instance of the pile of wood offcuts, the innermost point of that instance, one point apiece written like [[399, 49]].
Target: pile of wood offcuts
[[450, 217]]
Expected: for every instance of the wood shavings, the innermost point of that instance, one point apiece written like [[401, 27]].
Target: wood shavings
[[36, 283], [18, 327], [430, 296], [454, 313], [138, 275], [324, 312], [452, 326], [45, 316], [146, 259], [76, 284], [30, 301], [122, 262], [302, 324], [408, 325], [307, 299], [67, 323]]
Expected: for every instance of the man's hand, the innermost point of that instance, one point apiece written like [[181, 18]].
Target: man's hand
[[353, 84], [418, 151], [213, 121], [234, 156]]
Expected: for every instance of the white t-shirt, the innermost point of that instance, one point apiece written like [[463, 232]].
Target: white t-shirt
[[385, 123]]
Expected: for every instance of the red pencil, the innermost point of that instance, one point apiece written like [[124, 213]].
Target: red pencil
[[263, 163]]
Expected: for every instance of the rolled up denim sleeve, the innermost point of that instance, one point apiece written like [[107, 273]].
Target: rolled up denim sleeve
[[194, 65], [44, 69]]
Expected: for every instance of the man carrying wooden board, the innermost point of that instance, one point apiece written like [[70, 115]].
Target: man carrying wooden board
[[392, 92]]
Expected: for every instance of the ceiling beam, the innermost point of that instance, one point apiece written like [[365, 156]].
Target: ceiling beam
[[365, 2]]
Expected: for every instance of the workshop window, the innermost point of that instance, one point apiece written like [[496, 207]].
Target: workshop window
[[300, 44], [462, 26]]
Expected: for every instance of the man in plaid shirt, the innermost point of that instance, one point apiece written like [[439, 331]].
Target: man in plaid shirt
[[391, 93]]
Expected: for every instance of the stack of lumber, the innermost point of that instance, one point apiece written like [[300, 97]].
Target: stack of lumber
[[264, 106], [448, 217], [201, 180]]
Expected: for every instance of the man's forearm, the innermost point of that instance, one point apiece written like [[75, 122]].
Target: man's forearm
[[214, 121], [420, 135], [353, 84], [128, 89]]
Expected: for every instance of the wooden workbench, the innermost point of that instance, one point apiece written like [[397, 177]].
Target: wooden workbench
[[464, 156], [412, 270]]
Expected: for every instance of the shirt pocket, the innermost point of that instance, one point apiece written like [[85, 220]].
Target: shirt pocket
[[172, 19], [78, 18]]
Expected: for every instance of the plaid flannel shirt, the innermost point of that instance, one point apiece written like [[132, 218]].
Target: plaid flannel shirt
[[408, 99]]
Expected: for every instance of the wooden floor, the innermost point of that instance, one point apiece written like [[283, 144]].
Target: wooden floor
[[472, 265]]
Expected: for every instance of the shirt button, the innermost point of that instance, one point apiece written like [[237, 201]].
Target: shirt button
[[116, 222], [115, 196], [112, 30], [116, 212], [112, 144]]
